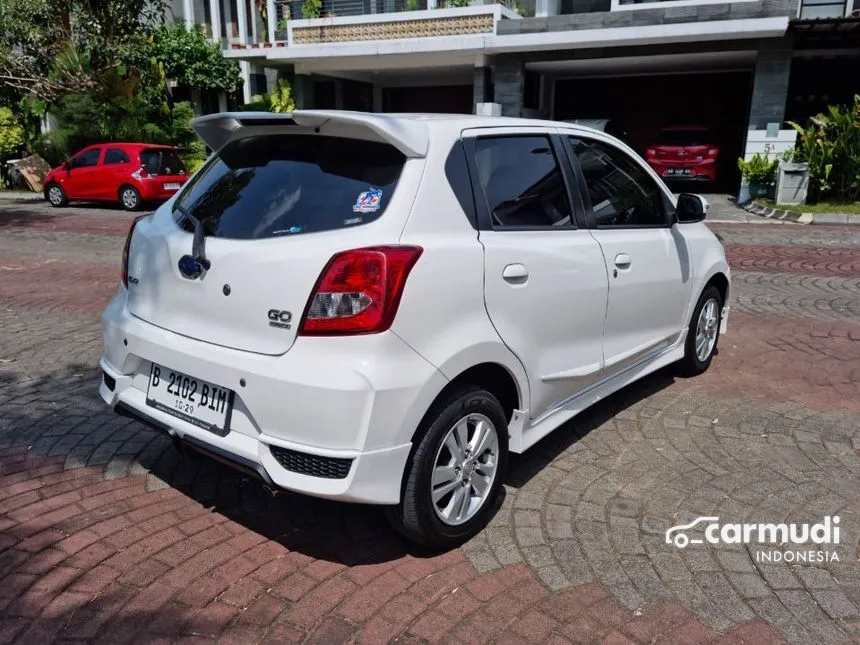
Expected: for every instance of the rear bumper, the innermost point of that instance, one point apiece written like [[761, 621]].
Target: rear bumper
[[152, 189], [706, 170], [326, 419]]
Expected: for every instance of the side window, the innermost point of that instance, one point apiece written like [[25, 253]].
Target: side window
[[522, 182], [116, 156], [622, 193], [87, 159]]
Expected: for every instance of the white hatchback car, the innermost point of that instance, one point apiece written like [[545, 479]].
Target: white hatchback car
[[379, 308]]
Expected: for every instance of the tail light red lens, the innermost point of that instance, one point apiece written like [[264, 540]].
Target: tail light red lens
[[651, 152], [359, 291], [126, 248], [712, 152]]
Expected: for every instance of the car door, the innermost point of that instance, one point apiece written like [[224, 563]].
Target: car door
[[115, 167], [647, 258], [81, 180], [545, 283]]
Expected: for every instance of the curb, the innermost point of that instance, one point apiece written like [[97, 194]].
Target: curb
[[800, 218]]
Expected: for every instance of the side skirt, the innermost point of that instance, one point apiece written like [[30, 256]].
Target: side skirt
[[523, 436]]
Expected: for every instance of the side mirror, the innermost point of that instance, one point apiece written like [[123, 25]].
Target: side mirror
[[691, 208]]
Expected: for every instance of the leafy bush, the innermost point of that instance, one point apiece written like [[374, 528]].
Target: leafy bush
[[830, 144], [457, 3], [281, 100], [759, 169], [11, 134], [311, 8], [194, 60]]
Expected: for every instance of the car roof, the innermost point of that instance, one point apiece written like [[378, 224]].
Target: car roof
[[409, 132], [123, 144]]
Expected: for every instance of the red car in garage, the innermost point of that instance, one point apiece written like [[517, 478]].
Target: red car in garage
[[128, 173], [685, 152]]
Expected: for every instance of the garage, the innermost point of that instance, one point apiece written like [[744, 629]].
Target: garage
[[641, 104]]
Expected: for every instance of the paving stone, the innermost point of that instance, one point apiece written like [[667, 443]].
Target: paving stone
[[770, 433]]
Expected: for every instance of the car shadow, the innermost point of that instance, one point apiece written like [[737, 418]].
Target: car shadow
[[350, 534], [27, 213]]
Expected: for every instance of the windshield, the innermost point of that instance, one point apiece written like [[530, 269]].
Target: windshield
[[685, 138], [286, 184]]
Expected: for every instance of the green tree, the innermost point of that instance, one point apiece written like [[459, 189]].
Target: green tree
[[193, 60], [11, 134]]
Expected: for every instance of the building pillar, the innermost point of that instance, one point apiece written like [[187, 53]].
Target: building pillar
[[229, 31], [508, 79], [272, 19], [544, 8], [255, 36], [271, 79], [338, 94], [242, 21], [188, 13], [770, 85], [482, 86], [303, 91], [245, 70], [215, 16]]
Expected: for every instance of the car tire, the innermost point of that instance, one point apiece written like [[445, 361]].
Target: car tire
[[129, 198], [55, 195], [703, 333], [420, 516]]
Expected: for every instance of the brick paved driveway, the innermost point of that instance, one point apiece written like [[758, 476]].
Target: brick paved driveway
[[107, 534]]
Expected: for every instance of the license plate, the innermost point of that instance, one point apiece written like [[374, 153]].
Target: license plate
[[191, 399], [679, 171], [171, 186]]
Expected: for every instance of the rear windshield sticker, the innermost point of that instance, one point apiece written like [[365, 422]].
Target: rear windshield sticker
[[368, 201], [288, 231], [352, 220]]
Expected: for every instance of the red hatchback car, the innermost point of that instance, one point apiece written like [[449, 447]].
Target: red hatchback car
[[130, 173], [684, 152]]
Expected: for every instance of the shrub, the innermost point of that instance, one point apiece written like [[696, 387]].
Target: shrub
[[830, 144], [311, 8], [759, 169], [11, 134]]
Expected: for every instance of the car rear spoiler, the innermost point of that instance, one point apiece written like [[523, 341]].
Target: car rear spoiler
[[410, 136]]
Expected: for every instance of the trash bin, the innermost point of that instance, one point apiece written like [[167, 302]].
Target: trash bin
[[792, 183]]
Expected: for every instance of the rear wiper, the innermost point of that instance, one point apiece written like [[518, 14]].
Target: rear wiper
[[198, 246]]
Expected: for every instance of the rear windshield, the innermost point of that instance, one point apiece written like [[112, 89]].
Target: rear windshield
[[273, 185], [686, 138], [161, 161]]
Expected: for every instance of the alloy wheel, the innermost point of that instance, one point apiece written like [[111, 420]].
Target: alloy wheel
[[706, 329], [55, 195], [129, 199], [464, 469]]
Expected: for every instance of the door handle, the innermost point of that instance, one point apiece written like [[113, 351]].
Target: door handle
[[622, 261], [515, 273]]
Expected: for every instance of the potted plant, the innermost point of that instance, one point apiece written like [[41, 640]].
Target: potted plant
[[759, 172], [281, 32]]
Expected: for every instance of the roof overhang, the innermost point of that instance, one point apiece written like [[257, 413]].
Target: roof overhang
[[388, 52]]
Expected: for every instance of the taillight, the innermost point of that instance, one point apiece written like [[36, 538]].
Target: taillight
[[712, 152], [651, 152], [358, 291], [140, 173], [126, 248]]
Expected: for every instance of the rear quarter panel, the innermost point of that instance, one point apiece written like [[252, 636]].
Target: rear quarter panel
[[442, 314]]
